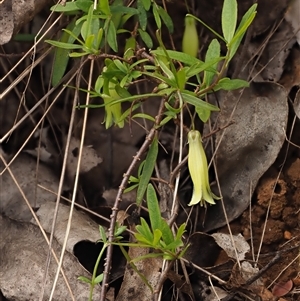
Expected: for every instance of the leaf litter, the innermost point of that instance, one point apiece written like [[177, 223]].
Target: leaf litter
[[249, 154]]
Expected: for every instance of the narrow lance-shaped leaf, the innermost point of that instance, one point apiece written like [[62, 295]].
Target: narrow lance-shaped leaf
[[146, 4], [86, 29], [166, 19], [241, 30], [64, 45], [117, 16], [230, 84], [156, 237], [144, 230], [68, 7], [229, 19], [167, 234], [153, 207], [103, 6], [146, 38], [147, 170], [142, 15], [61, 57], [129, 48], [113, 110], [178, 56], [212, 54], [112, 36], [197, 102], [156, 16]]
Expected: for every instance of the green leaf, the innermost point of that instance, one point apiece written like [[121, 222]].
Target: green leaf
[[78, 54], [196, 69], [180, 231], [119, 230], [156, 16], [144, 230], [166, 120], [170, 108], [120, 66], [89, 42], [229, 19], [122, 92], [102, 234], [142, 15], [147, 170], [174, 244], [112, 37], [230, 84], [116, 16], [140, 169], [86, 29], [165, 69], [153, 207], [99, 84], [241, 30], [167, 234], [146, 38], [166, 91], [68, 7], [146, 4], [129, 48], [83, 5], [75, 33], [156, 237], [98, 279], [212, 54], [178, 56], [166, 19], [130, 188], [203, 114], [61, 56], [97, 32], [197, 102], [181, 78], [144, 116], [162, 78], [84, 279], [142, 240], [98, 40], [103, 6], [64, 45], [183, 251]]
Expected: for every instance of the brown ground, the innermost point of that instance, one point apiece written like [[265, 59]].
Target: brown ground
[[281, 235]]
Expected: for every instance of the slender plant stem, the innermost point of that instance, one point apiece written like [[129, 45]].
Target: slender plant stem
[[95, 271]]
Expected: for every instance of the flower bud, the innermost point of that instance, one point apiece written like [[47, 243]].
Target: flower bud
[[190, 40]]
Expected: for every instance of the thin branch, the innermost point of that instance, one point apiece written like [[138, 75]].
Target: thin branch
[[118, 199]]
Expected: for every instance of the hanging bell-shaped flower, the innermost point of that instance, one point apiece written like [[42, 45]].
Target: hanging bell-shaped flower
[[198, 168]]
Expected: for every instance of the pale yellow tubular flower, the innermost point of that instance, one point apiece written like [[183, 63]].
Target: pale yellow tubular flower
[[190, 40], [198, 168]]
